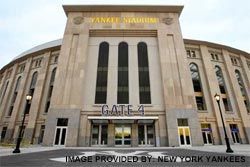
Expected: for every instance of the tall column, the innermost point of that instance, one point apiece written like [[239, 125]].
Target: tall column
[[212, 83], [241, 109], [68, 92], [157, 136], [20, 101], [177, 84], [134, 135], [246, 74], [133, 76], [71, 70], [83, 131], [112, 75], [111, 135], [5, 101], [3, 75], [163, 135], [88, 133], [36, 99], [2, 89]]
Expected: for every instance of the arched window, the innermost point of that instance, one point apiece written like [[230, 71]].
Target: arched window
[[52, 78], [123, 86], [220, 79], [102, 74], [51, 86], [4, 91], [14, 96], [242, 89], [33, 80], [195, 77], [18, 83], [200, 100], [32, 90], [222, 87], [144, 80]]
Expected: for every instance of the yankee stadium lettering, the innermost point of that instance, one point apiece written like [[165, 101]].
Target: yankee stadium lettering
[[149, 20]]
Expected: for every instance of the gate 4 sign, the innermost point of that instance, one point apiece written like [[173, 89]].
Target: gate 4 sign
[[121, 110]]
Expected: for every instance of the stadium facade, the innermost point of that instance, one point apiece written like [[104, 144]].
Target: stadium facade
[[124, 76]]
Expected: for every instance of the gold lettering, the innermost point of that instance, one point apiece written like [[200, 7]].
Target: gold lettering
[[102, 20], [92, 20], [150, 20], [125, 20]]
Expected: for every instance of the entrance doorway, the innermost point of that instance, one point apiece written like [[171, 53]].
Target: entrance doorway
[[61, 132], [207, 137], [184, 136], [146, 135], [60, 136], [183, 132], [235, 133], [207, 134], [123, 135], [99, 134]]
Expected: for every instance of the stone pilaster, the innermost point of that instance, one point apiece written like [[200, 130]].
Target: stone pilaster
[[212, 84], [134, 135], [18, 109], [5, 101], [36, 99], [239, 102], [157, 135], [111, 133]]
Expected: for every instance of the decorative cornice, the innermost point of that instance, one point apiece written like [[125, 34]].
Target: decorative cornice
[[168, 20], [123, 8], [78, 20]]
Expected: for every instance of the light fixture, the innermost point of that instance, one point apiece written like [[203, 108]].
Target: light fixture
[[229, 150], [28, 97], [217, 97]]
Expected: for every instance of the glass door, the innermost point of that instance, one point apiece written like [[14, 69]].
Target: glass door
[[236, 137], [60, 136], [207, 137], [184, 136], [146, 135], [235, 133], [99, 134], [123, 135]]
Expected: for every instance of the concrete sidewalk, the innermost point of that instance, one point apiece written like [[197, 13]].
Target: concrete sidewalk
[[4, 151], [241, 149], [238, 149]]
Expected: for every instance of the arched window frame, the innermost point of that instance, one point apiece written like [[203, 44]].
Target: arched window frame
[[53, 75], [197, 86], [13, 100], [33, 80], [32, 90], [102, 73], [221, 80], [143, 70], [223, 88], [4, 91], [18, 81], [50, 89], [242, 89]]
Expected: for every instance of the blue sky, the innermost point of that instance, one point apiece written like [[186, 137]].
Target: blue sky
[[27, 23]]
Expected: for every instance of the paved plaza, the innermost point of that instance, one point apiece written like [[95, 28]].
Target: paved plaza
[[168, 156]]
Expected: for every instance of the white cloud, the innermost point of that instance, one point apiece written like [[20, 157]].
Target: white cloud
[[25, 24]]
